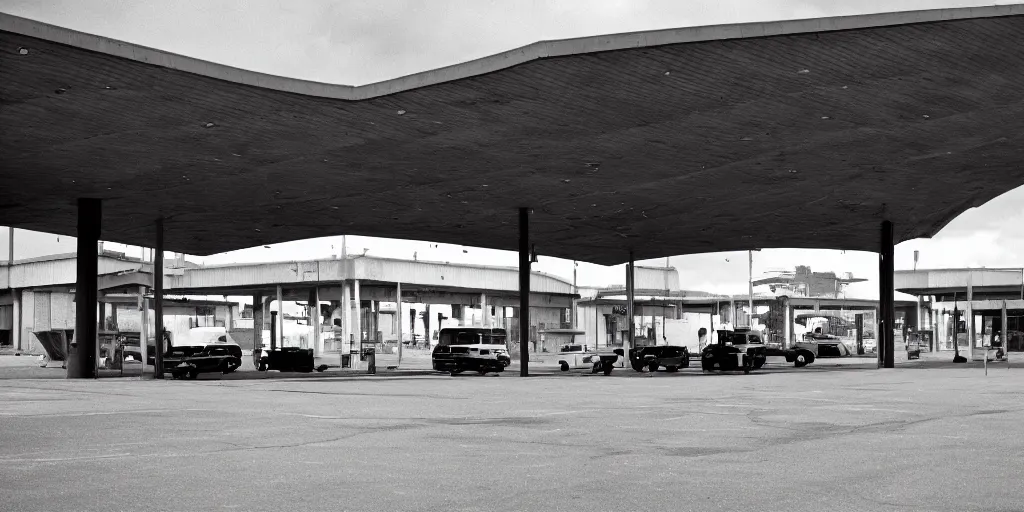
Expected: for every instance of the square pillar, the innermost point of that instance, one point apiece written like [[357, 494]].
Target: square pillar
[[398, 319], [346, 320], [82, 359], [886, 303], [630, 312], [257, 325], [969, 315], [279, 329], [158, 301], [143, 330], [314, 319], [524, 292], [357, 323]]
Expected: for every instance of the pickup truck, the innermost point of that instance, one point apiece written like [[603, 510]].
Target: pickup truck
[[580, 356]]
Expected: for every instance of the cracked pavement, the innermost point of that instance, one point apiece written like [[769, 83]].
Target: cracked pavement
[[933, 439]]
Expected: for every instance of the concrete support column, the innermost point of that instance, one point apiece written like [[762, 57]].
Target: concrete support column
[[787, 328], [144, 330], [376, 319], [16, 325], [398, 320], [485, 317], [158, 300], [630, 311], [357, 323], [257, 322], [887, 313], [1004, 337], [921, 312], [969, 315], [280, 317], [314, 320], [346, 320], [82, 359], [524, 292]]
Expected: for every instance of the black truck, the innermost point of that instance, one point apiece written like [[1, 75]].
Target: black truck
[[652, 357]]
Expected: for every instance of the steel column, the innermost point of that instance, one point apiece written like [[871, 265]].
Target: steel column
[[158, 301], [143, 330], [279, 330], [314, 317], [630, 297], [887, 315], [524, 292], [969, 315], [258, 319], [1004, 338], [398, 319], [82, 359]]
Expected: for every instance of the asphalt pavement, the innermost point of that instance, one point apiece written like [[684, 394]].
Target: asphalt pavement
[[924, 437]]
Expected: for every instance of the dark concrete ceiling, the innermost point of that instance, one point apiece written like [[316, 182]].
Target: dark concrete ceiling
[[791, 134]]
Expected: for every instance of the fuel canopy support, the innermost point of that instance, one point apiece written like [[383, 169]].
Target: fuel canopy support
[[524, 292], [81, 362]]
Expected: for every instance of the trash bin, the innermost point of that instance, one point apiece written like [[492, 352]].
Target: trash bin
[[370, 356]]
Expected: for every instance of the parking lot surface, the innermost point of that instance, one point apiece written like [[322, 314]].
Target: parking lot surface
[[836, 438]]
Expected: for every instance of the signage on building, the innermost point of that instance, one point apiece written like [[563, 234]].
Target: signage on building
[[619, 310]]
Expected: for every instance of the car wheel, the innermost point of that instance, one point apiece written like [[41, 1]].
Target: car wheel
[[481, 372], [653, 367], [746, 371], [671, 369], [564, 366], [637, 366], [608, 368], [758, 363], [800, 361], [193, 375]]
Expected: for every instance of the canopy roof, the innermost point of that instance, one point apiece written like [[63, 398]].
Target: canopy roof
[[791, 134]]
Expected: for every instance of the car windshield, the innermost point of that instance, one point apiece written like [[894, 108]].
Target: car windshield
[[492, 339]]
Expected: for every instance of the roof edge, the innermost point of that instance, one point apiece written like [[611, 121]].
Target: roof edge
[[492, 63]]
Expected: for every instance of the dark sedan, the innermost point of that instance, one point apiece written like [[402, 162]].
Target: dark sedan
[[189, 361]]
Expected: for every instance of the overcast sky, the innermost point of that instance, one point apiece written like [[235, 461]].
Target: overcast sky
[[359, 42]]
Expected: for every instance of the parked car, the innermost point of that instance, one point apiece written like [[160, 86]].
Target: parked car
[[747, 340], [286, 359], [725, 357], [671, 357], [190, 361], [580, 356], [478, 349]]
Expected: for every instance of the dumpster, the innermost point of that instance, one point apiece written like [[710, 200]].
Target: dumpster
[[55, 343]]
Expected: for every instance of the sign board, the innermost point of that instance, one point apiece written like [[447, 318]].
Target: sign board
[[619, 310]]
